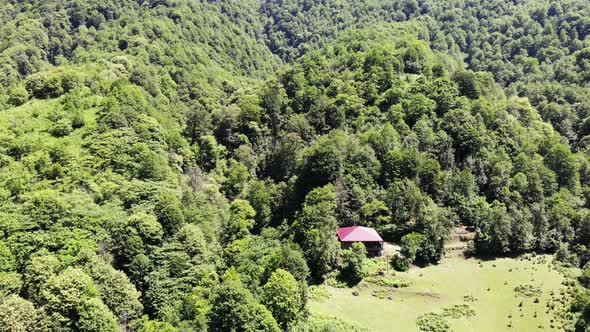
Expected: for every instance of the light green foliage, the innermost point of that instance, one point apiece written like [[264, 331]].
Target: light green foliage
[[399, 164], [320, 323], [389, 282], [376, 213], [581, 300], [7, 260], [38, 272], [147, 226], [19, 315], [236, 178], [289, 257], [169, 212], [155, 326], [561, 161], [10, 283], [528, 290], [264, 197], [66, 291], [191, 240], [241, 219], [432, 322], [318, 293], [45, 207], [146, 146], [281, 295], [96, 317], [458, 311], [116, 291]]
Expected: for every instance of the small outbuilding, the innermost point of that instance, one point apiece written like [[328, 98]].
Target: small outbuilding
[[368, 236]]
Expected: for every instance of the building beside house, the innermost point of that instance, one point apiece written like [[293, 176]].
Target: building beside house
[[368, 236]]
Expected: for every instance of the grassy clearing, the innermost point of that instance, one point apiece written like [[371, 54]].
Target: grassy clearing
[[465, 295]]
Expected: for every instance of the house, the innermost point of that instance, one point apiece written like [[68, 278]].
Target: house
[[368, 236]]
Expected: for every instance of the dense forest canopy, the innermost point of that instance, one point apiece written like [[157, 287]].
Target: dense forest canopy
[[536, 49], [175, 165]]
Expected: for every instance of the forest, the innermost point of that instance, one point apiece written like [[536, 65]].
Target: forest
[[182, 165]]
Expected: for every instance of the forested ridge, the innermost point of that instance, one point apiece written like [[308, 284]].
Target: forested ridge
[[176, 165]]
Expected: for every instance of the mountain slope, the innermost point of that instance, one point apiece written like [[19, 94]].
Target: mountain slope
[[161, 170]]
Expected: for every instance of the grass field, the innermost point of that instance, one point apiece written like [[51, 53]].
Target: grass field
[[487, 287]]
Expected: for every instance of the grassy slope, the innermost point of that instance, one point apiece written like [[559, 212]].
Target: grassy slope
[[446, 284]]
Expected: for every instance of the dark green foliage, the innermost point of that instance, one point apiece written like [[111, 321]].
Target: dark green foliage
[[585, 278], [18, 96], [314, 228], [410, 244], [169, 212], [494, 235], [400, 263], [562, 162], [399, 164]]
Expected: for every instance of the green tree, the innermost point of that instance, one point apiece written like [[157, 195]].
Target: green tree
[[10, 283], [235, 309], [376, 214], [408, 205], [169, 211], [241, 219], [493, 237], [323, 164], [65, 292], [466, 81], [18, 96], [20, 315], [314, 227], [353, 268], [147, 226], [410, 244], [289, 258], [561, 161], [116, 292], [399, 164], [7, 259], [95, 316], [39, 270], [282, 296]]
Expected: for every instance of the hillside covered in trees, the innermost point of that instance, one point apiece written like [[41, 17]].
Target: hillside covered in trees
[[176, 165]]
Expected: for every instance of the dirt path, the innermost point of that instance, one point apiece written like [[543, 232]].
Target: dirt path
[[458, 241]]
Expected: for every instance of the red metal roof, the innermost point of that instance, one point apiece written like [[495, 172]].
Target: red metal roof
[[358, 234]]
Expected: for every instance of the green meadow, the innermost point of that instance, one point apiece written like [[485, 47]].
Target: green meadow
[[524, 294]]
